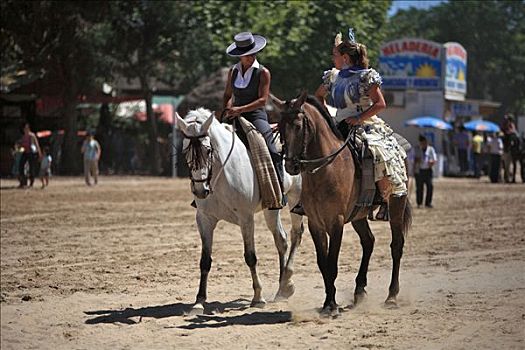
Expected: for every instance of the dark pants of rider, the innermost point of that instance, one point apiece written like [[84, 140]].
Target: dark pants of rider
[[495, 164], [32, 159], [424, 178]]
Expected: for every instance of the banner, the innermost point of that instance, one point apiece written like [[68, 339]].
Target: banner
[[411, 64], [456, 69]]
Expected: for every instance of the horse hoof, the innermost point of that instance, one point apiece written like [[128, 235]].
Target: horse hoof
[[329, 311], [258, 304], [359, 297], [197, 309], [285, 293], [279, 297], [391, 303]]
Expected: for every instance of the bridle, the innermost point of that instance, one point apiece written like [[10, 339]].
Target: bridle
[[300, 161], [196, 161]]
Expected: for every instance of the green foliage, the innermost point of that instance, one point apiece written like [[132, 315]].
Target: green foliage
[[492, 32], [59, 37], [300, 37]]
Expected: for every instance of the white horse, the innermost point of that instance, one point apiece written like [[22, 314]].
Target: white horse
[[225, 187]]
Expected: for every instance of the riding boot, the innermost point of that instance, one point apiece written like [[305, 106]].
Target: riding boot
[[298, 209], [383, 214], [371, 214], [277, 161]]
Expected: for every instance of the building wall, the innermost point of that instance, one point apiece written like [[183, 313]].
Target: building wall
[[417, 104]]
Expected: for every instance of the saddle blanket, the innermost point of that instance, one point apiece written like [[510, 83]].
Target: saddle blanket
[[269, 187]]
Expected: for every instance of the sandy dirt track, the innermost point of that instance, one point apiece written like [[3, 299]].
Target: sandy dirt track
[[116, 267]]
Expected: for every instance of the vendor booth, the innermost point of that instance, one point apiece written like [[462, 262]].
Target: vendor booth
[[422, 78]]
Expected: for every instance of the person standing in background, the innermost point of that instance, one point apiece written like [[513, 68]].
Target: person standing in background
[[45, 167], [31, 154], [91, 150], [495, 150], [461, 141], [477, 147], [511, 149], [425, 158], [17, 156]]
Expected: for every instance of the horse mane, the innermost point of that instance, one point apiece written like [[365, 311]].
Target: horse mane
[[196, 156], [198, 115], [327, 117]]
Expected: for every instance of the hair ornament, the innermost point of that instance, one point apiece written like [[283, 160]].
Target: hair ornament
[[338, 39], [351, 36]]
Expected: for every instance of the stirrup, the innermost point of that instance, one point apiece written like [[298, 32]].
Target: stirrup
[[371, 214], [298, 209], [383, 214]]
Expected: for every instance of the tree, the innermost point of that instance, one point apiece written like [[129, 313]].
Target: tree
[[142, 40], [300, 37], [57, 37]]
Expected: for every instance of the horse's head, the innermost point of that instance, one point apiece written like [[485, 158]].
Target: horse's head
[[294, 130], [198, 149]]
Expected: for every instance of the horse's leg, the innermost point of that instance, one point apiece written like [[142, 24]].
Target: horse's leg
[[320, 239], [336, 235], [206, 224], [397, 210], [250, 258], [296, 234], [367, 244], [273, 221]]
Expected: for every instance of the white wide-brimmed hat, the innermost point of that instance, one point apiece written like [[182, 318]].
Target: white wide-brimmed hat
[[246, 44]]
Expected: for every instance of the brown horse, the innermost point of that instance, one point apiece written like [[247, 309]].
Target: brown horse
[[330, 192]]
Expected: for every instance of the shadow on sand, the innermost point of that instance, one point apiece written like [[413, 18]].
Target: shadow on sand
[[251, 319], [161, 311]]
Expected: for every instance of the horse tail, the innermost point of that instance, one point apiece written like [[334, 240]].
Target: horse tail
[[407, 218]]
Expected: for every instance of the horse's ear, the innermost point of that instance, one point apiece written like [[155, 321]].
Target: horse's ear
[[181, 124], [299, 101], [207, 123], [278, 102]]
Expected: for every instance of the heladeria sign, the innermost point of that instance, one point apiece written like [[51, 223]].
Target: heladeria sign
[[456, 66], [411, 64]]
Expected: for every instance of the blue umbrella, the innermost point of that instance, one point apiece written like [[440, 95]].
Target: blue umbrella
[[481, 125], [429, 122]]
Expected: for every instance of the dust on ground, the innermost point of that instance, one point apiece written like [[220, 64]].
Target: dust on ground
[[116, 266]]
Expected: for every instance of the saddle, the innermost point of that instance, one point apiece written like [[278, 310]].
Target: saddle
[[364, 166], [369, 194]]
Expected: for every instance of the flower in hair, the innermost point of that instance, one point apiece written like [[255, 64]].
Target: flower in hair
[[338, 39]]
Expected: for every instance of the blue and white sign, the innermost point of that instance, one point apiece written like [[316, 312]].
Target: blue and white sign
[[411, 64], [456, 69]]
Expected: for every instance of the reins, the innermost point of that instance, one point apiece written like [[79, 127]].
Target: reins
[[221, 170], [326, 160]]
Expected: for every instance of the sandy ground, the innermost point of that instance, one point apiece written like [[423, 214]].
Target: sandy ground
[[116, 267]]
